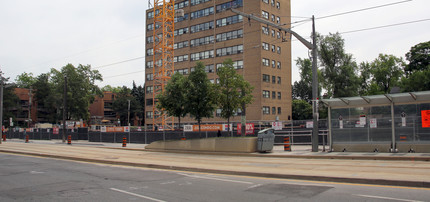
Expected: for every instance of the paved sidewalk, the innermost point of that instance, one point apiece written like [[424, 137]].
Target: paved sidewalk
[[300, 164]]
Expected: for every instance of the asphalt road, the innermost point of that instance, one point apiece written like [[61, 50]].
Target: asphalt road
[[24, 178]]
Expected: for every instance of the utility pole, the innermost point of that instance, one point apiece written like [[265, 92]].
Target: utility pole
[[64, 109], [310, 46], [315, 129], [128, 116], [1, 107], [29, 106]]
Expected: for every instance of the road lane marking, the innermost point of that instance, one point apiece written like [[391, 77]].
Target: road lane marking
[[138, 195], [212, 178], [387, 198]]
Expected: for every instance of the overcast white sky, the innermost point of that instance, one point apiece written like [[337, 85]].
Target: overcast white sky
[[36, 36]]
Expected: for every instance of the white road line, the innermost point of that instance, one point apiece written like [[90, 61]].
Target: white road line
[[138, 195], [212, 178], [387, 198]]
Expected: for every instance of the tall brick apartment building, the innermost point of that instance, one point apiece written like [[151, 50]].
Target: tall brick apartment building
[[211, 33]]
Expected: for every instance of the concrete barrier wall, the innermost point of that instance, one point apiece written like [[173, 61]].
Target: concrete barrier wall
[[246, 145], [365, 147]]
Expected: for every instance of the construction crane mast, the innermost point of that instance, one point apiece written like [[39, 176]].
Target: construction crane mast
[[164, 39]]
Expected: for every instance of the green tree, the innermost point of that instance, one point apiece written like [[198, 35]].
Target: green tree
[[138, 92], [109, 88], [10, 101], [200, 95], [47, 98], [339, 70], [302, 110], [303, 89], [173, 99], [232, 90], [386, 71], [121, 103], [417, 72], [25, 80], [81, 88]]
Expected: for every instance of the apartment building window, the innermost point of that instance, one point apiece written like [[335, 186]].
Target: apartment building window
[[182, 71], [278, 20], [181, 31], [273, 95], [278, 35], [229, 35], [265, 30], [210, 68], [149, 102], [273, 48], [266, 78], [265, 46], [202, 27], [279, 50], [181, 4], [196, 2], [202, 55], [180, 45], [150, 27], [231, 4], [279, 80], [202, 13], [149, 39], [265, 62], [229, 50], [265, 14], [229, 20], [159, 63], [273, 18], [238, 64], [266, 110], [279, 110], [279, 65], [266, 94], [149, 77], [266, 1], [272, 2], [180, 58], [273, 33], [149, 64], [149, 52], [273, 79], [273, 63], [149, 115], [150, 15], [279, 95], [181, 18], [273, 110], [202, 41], [278, 5], [149, 89]]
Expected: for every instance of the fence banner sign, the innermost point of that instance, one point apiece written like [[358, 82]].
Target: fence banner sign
[[188, 128], [103, 129], [309, 124], [225, 127], [425, 118], [362, 120], [341, 124], [139, 128], [48, 130], [373, 123], [249, 129], [55, 131], [127, 129], [212, 127], [21, 130], [116, 129], [277, 125]]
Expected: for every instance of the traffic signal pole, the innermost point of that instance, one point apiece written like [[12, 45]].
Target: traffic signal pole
[[311, 46]]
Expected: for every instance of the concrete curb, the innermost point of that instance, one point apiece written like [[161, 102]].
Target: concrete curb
[[341, 157], [419, 184]]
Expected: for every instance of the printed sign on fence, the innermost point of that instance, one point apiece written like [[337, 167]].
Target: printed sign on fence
[[213, 127], [309, 124], [55, 131], [188, 128], [249, 129], [373, 123], [425, 118], [277, 125]]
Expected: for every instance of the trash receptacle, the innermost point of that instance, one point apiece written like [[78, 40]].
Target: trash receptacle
[[266, 140]]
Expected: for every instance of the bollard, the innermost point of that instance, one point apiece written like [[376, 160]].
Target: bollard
[[124, 142], [287, 144], [26, 139], [69, 139]]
